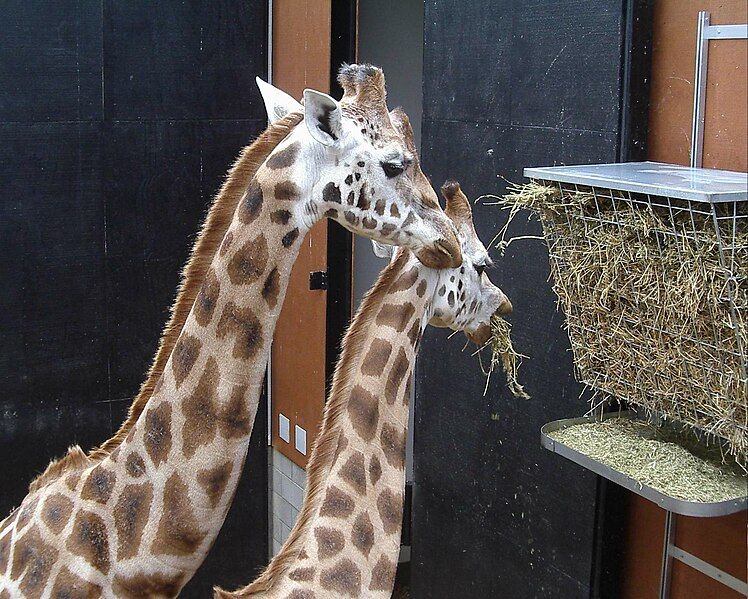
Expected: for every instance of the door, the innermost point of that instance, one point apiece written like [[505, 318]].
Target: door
[[301, 59]]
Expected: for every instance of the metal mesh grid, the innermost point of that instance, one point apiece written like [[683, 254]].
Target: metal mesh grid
[[655, 292]]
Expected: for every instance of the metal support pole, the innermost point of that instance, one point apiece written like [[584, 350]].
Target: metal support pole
[[667, 558], [699, 90]]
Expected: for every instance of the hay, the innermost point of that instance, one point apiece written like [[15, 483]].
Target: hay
[[655, 314], [655, 457], [503, 353]]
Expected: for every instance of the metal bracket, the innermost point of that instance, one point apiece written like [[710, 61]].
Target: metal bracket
[[704, 33], [671, 551], [318, 279]]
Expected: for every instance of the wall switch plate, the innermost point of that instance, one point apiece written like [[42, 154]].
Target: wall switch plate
[[284, 428], [300, 435]]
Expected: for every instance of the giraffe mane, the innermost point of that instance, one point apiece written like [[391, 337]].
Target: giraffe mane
[[211, 234], [326, 444]]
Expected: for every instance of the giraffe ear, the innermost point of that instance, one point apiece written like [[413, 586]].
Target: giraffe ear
[[277, 102], [383, 251], [323, 117]]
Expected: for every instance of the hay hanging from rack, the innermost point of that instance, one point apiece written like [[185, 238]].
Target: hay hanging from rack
[[656, 457], [503, 354], [655, 314]]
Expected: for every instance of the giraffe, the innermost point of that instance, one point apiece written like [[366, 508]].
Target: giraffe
[[347, 538], [136, 516]]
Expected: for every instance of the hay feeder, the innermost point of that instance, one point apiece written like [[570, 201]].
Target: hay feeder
[[650, 265]]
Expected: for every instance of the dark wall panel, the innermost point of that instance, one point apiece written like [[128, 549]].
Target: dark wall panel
[[118, 122], [507, 85]]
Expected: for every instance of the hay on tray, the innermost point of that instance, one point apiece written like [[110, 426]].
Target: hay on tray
[[503, 353], [655, 293], [655, 457]]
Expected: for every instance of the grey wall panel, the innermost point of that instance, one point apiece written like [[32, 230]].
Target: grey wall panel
[[508, 85]]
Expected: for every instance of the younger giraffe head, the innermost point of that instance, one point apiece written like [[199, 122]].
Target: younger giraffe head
[[464, 299], [366, 165]]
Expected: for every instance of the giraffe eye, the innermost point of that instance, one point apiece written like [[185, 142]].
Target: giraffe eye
[[392, 169], [480, 269]]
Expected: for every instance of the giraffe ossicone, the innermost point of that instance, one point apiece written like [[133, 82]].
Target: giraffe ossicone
[[137, 515], [346, 540]]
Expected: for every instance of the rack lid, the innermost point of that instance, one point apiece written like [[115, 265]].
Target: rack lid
[[654, 178]]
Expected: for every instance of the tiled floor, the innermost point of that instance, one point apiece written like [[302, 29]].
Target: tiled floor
[[287, 496]]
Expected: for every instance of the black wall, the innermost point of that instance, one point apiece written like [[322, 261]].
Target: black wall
[[118, 121], [509, 84]]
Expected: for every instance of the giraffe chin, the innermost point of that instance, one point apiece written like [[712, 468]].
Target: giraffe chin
[[479, 336]]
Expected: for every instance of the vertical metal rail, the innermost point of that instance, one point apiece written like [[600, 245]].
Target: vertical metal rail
[[699, 90], [667, 558]]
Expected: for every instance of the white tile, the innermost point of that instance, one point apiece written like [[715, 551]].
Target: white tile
[[285, 531], [286, 512], [299, 476], [276, 547], [277, 476], [296, 495]]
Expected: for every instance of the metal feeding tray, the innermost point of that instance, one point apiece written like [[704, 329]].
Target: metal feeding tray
[[678, 506]]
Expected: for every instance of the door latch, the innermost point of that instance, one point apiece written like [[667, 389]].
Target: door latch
[[318, 279]]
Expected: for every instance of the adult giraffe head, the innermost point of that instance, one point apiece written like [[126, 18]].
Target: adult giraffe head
[[464, 298], [365, 166]]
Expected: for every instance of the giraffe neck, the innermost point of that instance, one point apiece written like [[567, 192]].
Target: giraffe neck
[[347, 538]]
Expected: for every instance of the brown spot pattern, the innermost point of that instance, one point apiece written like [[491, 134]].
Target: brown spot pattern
[[251, 204], [69, 586], [383, 575], [157, 434], [290, 237], [25, 512], [56, 512], [301, 594], [363, 410], [398, 372], [362, 535], [271, 288], [421, 289], [130, 517], [354, 472], [90, 540], [405, 280], [390, 508], [331, 193], [351, 218], [301, 574], [376, 357], [244, 326], [393, 445], [375, 470], [330, 542], [344, 578], [144, 586], [200, 418], [207, 298], [184, 356], [337, 504], [99, 484], [283, 158], [235, 419], [379, 207], [214, 481], [249, 262], [178, 530], [286, 191], [369, 223], [396, 316], [387, 229], [33, 559], [414, 333], [134, 465], [280, 217]]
